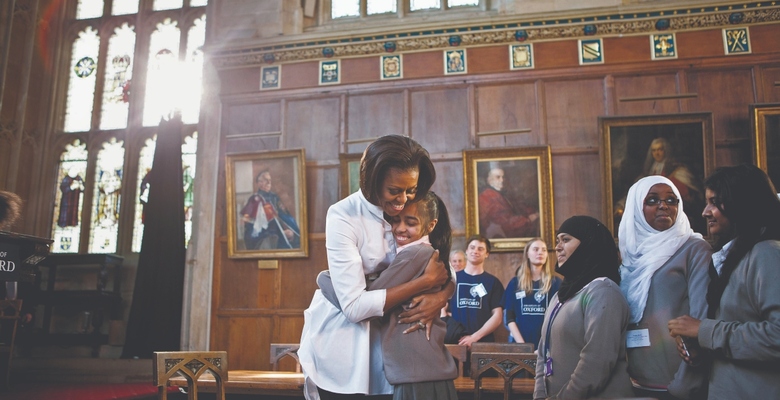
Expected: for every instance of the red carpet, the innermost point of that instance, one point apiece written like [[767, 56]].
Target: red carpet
[[116, 391]]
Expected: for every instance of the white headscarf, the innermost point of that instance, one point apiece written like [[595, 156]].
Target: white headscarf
[[643, 249]]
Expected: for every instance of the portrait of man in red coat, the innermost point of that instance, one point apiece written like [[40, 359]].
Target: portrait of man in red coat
[[500, 216]]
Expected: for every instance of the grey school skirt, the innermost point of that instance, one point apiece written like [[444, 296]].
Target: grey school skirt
[[437, 390]]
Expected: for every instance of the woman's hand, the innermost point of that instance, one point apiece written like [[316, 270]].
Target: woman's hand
[[424, 308], [435, 273], [685, 330]]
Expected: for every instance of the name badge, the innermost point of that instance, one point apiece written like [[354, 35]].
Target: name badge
[[520, 295], [637, 338], [480, 290]]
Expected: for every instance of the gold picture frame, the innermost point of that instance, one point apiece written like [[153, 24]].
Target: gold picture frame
[[517, 209], [678, 146], [266, 204], [349, 173], [765, 137]]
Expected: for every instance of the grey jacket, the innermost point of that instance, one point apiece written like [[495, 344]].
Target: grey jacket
[[678, 288], [409, 358], [744, 337], [587, 344]]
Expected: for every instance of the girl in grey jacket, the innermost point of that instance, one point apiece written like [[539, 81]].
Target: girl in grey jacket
[[741, 333]]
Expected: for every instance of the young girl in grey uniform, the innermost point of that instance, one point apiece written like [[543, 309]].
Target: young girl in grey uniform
[[418, 367]]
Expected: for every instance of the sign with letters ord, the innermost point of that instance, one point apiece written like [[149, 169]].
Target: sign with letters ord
[[9, 261]]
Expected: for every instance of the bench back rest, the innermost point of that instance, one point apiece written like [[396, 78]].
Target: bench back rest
[[192, 365]]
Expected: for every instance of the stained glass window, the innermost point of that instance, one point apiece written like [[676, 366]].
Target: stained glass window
[[192, 69], [380, 6], [344, 8], [145, 161], [188, 150], [415, 5], [119, 71], [90, 9], [69, 199], [163, 78], [122, 7], [167, 4], [198, 3], [458, 3], [81, 85], [106, 198]]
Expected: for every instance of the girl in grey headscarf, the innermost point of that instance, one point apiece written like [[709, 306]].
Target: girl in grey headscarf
[[663, 276]]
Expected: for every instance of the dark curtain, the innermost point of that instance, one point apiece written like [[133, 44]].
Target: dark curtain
[[155, 315]]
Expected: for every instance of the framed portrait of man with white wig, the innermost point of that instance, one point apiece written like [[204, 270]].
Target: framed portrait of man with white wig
[[508, 195], [677, 146]]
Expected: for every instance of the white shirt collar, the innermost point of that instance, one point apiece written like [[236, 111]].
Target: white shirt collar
[[719, 257], [422, 240]]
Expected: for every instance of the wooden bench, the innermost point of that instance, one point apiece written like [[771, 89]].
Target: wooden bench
[[281, 350], [290, 384], [509, 360]]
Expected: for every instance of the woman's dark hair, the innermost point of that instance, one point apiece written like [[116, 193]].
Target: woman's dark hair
[[430, 207], [394, 152], [745, 196]]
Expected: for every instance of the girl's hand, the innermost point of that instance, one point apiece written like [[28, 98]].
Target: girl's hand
[[684, 326]]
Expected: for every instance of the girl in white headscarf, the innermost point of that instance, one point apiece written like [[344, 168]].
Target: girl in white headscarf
[[663, 275]]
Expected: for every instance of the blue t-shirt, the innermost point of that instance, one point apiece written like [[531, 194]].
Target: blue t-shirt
[[529, 308], [475, 298]]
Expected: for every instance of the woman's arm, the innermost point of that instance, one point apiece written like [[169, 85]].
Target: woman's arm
[[515, 331], [434, 276], [426, 307], [757, 339]]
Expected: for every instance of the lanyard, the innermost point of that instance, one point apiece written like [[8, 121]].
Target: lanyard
[[548, 358]]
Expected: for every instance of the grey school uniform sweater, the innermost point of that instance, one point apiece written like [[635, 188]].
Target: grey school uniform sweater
[[678, 288], [744, 337], [587, 344]]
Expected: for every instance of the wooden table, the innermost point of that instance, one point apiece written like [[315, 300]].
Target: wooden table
[[283, 383]]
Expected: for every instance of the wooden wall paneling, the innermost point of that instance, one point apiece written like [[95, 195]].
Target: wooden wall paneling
[[287, 329], [482, 60], [242, 285], [556, 54], [426, 64], [440, 119], [765, 38], [6, 144], [626, 49], [313, 124], [300, 75], [695, 45], [253, 118], [577, 185], [770, 84], [373, 115], [510, 107], [248, 341], [726, 93], [298, 277], [252, 127], [629, 88], [360, 70], [573, 108], [449, 186], [240, 80], [322, 190]]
